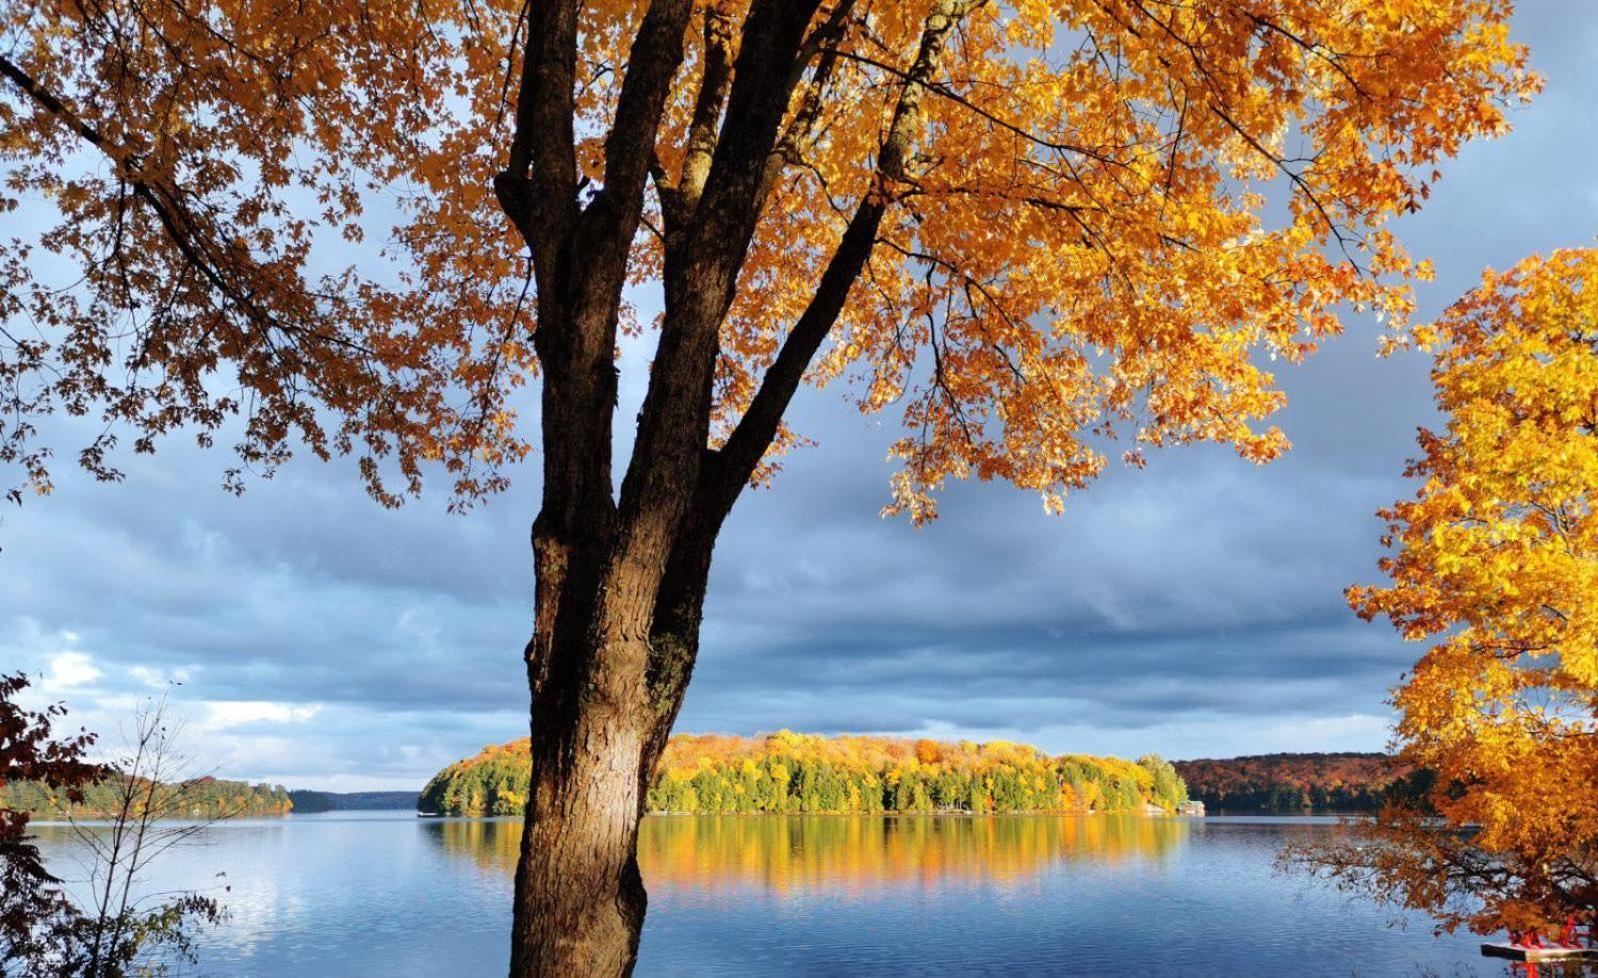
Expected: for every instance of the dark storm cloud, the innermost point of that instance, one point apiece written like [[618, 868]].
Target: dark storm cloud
[[1193, 609], [1201, 589]]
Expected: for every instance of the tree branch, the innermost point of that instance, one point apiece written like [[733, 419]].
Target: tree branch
[[826, 40], [538, 187], [753, 436], [712, 98], [701, 271], [175, 219], [656, 53], [737, 460]]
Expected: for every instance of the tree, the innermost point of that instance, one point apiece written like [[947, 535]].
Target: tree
[[1031, 227], [118, 930], [1338, 782], [126, 931], [1168, 788], [1497, 562], [36, 919]]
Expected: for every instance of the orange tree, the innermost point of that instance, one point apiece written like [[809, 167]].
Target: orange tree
[[1026, 227], [1497, 561]]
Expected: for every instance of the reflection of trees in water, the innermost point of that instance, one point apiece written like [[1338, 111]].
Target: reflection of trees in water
[[492, 844], [795, 852]]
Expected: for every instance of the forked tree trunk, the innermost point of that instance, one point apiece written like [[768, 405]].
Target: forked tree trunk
[[621, 579]]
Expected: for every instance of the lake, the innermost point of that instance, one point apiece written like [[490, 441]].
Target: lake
[[384, 893]]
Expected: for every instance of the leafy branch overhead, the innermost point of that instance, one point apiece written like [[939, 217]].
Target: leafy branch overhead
[[1023, 227]]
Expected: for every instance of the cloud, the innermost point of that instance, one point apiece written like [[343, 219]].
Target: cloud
[[156, 679], [67, 670], [227, 714]]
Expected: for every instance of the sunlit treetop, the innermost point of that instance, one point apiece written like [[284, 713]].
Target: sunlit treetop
[[1111, 216], [1497, 563]]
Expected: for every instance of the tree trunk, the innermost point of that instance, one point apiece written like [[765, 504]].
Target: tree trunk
[[579, 897], [602, 711]]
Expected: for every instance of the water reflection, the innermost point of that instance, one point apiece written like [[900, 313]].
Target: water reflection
[[732, 897], [784, 854]]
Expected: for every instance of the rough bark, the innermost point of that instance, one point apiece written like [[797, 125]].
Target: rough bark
[[621, 582]]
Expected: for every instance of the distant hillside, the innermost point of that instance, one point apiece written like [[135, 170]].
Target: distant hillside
[[1342, 782], [307, 801], [201, 799], [803, 773]]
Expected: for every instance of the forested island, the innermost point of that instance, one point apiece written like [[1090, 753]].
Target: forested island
[[201, 798], [789, 773], [1340, 782]]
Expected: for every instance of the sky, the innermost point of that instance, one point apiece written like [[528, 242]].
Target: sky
[[1193, 609]]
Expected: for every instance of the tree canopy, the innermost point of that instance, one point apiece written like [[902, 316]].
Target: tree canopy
[[1072, 220], [1496, 562]]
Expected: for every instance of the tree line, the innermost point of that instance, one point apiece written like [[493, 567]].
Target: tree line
[[1346, 781], [307, 801], [198, 798], [790, 773]]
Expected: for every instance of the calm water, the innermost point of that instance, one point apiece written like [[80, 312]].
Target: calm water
[[368, 894]]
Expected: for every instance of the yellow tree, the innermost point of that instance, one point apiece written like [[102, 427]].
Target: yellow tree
[[1026, 227], [1497, 561]]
